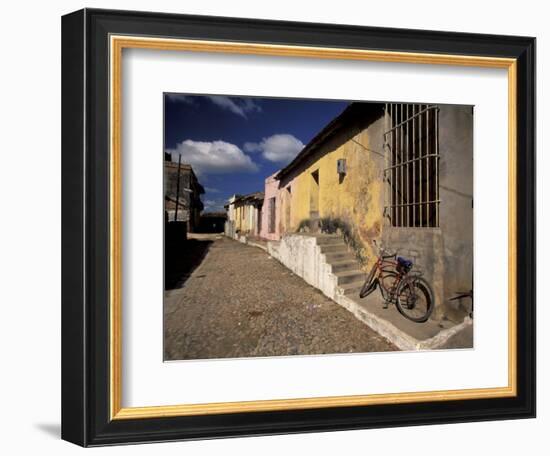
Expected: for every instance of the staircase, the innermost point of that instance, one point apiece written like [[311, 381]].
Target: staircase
[[322, 260], [342, 263]]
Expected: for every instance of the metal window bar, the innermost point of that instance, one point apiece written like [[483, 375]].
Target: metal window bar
[[394, 180], [421, 152], [411, 174], [436, 141], [387, 158], [400, 168], [394, 174], [428, 143], [407, 178], [414, 165]]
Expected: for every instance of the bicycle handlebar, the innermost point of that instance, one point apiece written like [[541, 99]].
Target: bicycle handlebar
[[382, 251]]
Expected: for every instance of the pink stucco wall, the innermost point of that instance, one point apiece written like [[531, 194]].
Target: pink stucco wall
[[271, 191]]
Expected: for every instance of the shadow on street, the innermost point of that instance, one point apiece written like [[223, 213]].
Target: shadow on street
[[181, 259]]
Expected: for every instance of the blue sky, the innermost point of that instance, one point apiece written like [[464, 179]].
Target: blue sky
[[234, 143]]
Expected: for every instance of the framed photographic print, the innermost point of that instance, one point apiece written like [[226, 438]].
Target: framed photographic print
[[278, 227]]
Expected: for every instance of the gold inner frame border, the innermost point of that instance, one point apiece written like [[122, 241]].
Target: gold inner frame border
[[116, 46]]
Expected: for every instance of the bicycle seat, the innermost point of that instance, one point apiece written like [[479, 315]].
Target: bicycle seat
[[403, 261], [404, 265]]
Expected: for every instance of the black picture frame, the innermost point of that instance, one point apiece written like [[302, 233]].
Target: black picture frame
[[85, 224]]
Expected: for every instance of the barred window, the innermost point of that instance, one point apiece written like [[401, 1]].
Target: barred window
[[411, 173]]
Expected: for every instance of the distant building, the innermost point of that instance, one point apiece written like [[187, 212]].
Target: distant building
[[229, 227], [244, 214], [230, 207], [188, 200]]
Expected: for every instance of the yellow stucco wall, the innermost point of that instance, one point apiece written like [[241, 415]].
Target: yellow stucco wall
[[356, 199], [240, 220], [246, 218]]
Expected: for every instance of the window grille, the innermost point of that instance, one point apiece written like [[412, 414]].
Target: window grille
[[272, 215], [411, 174]]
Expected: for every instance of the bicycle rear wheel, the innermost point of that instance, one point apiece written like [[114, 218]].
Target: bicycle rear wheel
[[415, 300]]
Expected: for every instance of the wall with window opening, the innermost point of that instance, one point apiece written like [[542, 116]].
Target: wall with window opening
[[411, 174]]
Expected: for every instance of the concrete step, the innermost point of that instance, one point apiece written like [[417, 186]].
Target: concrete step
[[325, 239], [333, 257], [333, 248], [352, 289], [346, 265], [350, 276]]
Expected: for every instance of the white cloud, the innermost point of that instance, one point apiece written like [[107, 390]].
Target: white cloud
[[211, 190], [216, 157], [239, 106], [279, 148]]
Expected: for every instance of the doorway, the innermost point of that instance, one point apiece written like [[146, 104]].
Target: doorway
[[314, 196]]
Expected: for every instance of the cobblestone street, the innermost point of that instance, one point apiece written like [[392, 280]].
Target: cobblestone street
[[239, 302]]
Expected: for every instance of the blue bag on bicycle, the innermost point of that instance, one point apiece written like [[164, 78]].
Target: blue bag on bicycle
[[404, 265]]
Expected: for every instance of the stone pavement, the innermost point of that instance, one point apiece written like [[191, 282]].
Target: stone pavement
[[240, 302]]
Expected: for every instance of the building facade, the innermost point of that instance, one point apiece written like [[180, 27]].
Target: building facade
[[229, 226], [270, 214], [182, 195], [244, 215], [400, 174]]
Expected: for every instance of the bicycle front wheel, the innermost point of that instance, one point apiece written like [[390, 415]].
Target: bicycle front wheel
[[370, 284], [415, 300]]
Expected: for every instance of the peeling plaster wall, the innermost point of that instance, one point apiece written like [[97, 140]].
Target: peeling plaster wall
[[354, 203], [246, 219], [355, 199]]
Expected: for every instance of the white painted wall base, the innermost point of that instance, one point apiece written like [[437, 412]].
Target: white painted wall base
[[302, 255]]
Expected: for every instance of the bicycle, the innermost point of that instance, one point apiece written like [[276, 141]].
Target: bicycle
[[400, 285]]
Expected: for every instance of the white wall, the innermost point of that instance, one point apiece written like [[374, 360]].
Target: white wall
[[30, 240]]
